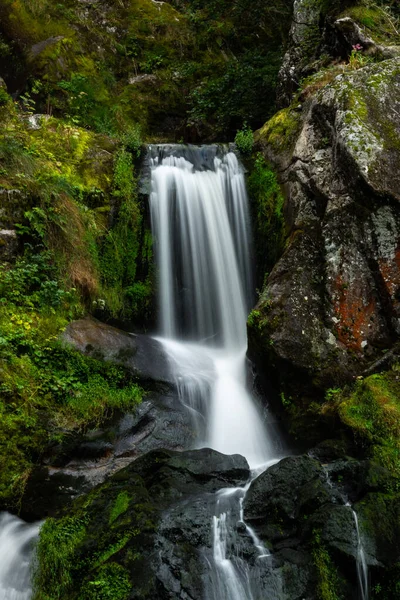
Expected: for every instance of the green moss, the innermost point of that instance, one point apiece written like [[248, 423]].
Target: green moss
[[56, 553], [111, 582], [120, 506], [328, 587], [280, 132], [371, 409], [91, 561], [378, 18]]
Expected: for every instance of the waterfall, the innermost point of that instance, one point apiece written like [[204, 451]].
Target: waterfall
[[200, 224], [16, 546]]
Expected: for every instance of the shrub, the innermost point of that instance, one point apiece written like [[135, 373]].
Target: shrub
[[244, 140]]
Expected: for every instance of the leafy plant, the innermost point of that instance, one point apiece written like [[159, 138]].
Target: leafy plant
[[244, 140]]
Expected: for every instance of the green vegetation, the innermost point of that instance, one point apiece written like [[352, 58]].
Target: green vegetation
[[328, 579], [267, 204], [372, 411], [244, 140], [280, 132], [58, 185], [120, 506], [380, 18], [109, 68], [92, 552], [46, 391], [69, 182]]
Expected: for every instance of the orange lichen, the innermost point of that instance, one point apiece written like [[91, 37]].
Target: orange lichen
[[390, 271], [354, 314]]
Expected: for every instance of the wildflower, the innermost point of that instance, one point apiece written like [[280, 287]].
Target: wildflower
[[357, 47]]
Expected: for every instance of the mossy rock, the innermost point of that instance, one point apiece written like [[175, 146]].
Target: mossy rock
[[105, 543]]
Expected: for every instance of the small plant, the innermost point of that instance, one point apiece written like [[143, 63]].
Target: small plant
[[4, 97], [357, 59], [244, 140]]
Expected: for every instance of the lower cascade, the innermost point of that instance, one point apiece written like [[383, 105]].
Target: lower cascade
[[200, 222], [16, 547]]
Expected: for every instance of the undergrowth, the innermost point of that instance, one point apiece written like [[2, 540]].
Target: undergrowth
[[267, 204], [83, 555], [371, 411], [47, 391]]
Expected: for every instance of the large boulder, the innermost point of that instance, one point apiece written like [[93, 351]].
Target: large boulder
[[330, 306], [125, 527], [300, 508], [142, 355], [83, 461]]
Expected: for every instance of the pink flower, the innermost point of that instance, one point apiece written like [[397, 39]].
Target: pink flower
[[357, 47]]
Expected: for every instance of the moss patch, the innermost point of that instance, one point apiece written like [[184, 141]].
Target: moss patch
[[280, 132], [371, 411], [95, 551]]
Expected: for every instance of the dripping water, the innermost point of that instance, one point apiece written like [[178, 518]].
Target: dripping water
[[362, 567]]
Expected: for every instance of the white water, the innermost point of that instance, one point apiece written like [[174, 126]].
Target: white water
[[200, 224], [201, 228], [361, 563], [16, 546], [362, 568]]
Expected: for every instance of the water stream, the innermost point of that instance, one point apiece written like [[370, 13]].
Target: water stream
[[361, 563], [200, 222], [362, 567]]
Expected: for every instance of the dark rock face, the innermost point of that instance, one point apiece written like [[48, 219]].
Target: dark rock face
[[142, 355], [331, 304], [304, 39], [300, 509]]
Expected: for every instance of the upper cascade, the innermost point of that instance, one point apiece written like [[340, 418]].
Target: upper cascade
[[200, 220]]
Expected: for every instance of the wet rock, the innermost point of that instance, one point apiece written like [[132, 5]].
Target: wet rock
[[299, 510], [142, 355], [379, 520], [274, 498], [304, 39], [158, 507], [84, 461], [41, 46]]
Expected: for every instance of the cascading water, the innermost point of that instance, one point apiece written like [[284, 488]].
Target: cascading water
[[16, 546], [361, 563], [362, 568], [200, 224]]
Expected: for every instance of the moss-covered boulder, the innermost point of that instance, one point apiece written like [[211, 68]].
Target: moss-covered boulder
[[113, 542], [330, 305]]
